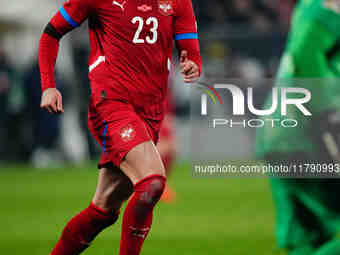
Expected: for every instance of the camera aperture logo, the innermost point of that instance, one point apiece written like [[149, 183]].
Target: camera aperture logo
[[212, 93], [281, 99]]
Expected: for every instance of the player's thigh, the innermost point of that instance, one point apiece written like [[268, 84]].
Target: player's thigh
[[113, 188], [141, 161]]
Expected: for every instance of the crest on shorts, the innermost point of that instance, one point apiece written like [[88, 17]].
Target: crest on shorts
[[165, 7], [127, 133]]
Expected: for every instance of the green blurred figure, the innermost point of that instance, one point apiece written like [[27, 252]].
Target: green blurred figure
[[308, 210]]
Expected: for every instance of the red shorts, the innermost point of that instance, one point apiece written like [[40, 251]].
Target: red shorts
[[118, 128]]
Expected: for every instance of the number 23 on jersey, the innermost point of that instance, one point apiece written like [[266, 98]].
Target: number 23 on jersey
[[152, 22]]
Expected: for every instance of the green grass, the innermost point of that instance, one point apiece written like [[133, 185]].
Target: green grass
[[210, 217]]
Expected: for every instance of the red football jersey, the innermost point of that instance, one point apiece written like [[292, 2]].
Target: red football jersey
[[131, 43]]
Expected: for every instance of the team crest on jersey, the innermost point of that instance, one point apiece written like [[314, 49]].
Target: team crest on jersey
[[333, 5], [127, 133], [165, 7]]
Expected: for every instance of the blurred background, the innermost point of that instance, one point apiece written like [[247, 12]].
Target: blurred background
[[238, 38]]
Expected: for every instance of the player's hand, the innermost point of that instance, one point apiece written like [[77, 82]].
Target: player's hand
[[52, 101], [189, 69]]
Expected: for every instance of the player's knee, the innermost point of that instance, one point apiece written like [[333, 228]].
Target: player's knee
[[154, 192], [150, 191]]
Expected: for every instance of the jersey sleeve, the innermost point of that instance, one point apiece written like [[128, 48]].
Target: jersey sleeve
[[69, 16], [185, 31], [185, 26]]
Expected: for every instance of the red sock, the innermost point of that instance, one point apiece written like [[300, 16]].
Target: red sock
[[82, 229], [137, 217]]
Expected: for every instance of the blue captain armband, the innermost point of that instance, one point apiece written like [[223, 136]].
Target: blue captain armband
[[68, 18], [186, 36]]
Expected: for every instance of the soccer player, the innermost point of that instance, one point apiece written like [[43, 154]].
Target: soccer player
[[131, 45], [308, 210]]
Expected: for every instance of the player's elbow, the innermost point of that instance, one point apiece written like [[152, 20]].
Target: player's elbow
[[51, 31]]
